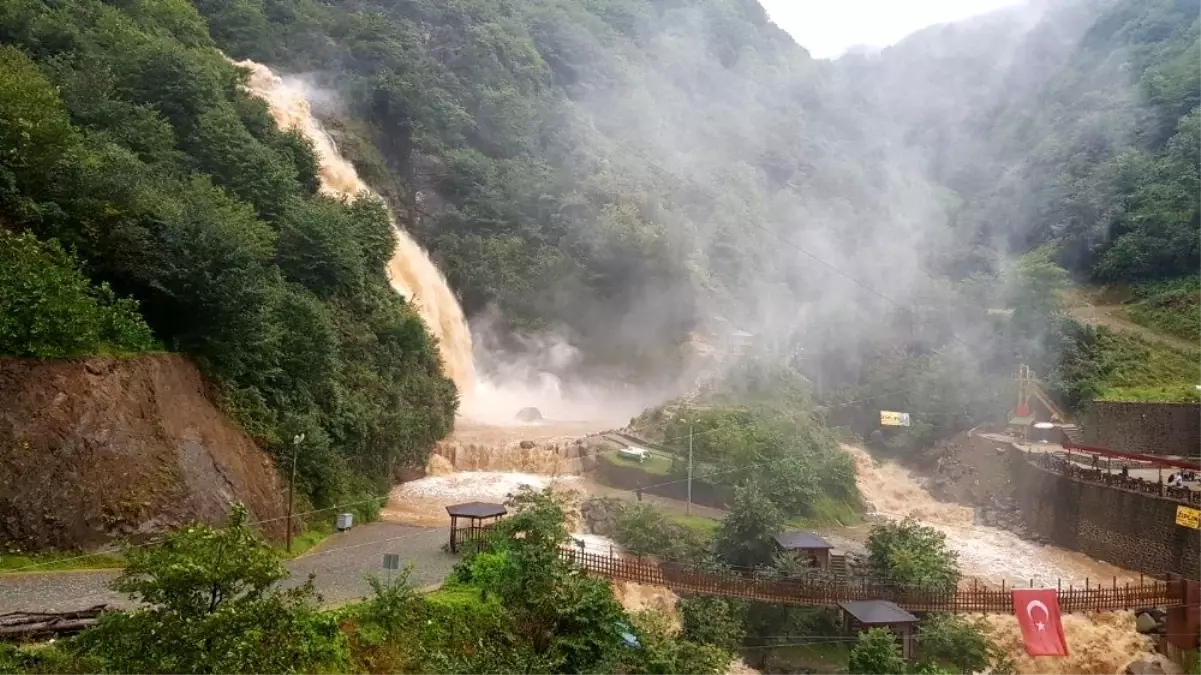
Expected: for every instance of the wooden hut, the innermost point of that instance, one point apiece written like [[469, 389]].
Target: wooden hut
[[807, 545]]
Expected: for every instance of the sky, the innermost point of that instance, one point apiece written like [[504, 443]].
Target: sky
[[827, 28]]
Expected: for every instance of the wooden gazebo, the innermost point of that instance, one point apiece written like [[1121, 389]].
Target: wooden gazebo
[[479, 516]]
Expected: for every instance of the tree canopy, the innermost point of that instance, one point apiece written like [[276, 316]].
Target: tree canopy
[[146, 200]]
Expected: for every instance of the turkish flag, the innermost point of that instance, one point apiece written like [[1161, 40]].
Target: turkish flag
[[1038, 615]]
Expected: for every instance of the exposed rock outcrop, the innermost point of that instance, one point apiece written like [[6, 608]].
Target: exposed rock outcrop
[[103, 448]]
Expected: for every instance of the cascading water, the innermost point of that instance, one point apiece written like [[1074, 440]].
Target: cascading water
[[410, 271]]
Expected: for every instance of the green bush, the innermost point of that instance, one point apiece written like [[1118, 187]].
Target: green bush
[[208, 605], [48, 309], [644, 530]]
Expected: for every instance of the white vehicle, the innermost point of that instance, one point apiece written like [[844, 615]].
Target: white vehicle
[[635, 453]]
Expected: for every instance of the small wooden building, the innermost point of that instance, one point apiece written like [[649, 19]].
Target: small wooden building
[[479, 516], [861, 615], [806, 544]]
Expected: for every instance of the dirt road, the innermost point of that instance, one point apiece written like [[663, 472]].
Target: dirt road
[[1113, 317]]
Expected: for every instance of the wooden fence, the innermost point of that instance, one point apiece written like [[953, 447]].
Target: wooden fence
[[1093, 598]]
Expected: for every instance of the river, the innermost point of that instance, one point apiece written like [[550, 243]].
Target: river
[[1101, 643]]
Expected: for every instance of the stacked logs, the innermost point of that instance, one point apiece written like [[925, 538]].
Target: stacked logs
[[41, 625]]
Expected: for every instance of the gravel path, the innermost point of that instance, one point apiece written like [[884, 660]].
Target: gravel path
[[341, 564], [1114, 317]]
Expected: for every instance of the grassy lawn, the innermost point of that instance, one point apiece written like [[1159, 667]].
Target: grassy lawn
[[702, 525], [312, 535], [455, 596], [1171, 307], [1144, 371], [58, 561], [815, 658], [827, 512]]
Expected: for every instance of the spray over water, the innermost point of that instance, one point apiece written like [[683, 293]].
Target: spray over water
[[410, 271]]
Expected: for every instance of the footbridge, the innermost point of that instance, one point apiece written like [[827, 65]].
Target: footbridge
[[978, 598]]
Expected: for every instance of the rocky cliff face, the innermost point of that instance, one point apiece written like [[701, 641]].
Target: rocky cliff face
[[102, 448]]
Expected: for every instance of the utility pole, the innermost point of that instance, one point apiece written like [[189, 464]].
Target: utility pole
[[296, 441], [688, 509]]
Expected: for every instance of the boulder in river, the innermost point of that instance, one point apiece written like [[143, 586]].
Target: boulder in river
[[1144, 667], [530, 414], [1146, 624]]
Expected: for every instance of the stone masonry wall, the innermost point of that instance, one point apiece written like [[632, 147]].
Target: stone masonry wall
[[1128, 529], [1151, 428]]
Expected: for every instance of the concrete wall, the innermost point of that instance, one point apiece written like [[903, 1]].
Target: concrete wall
[[1151, 428], [1128, 529]]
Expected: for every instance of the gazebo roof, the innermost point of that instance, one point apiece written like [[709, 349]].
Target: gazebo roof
[[871, 612], [791, 541], [476, 510]]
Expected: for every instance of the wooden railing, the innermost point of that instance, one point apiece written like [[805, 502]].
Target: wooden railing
[[1074, 471], [470, 537], [793, 592]]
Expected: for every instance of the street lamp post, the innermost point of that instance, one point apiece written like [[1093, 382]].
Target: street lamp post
[[688, 508], [296, 441]]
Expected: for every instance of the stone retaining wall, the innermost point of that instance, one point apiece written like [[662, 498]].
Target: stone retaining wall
[[1128, 529], [1150, 428]]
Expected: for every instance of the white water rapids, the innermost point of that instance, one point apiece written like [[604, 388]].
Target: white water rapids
[[987, 553], [1097, 643]]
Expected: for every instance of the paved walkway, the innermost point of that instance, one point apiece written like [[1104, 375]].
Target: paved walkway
[[340, 564]]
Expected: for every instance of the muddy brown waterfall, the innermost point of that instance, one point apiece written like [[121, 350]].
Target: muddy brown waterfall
[[410, 271]]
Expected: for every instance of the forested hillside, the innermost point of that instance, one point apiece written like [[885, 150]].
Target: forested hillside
[[126, 139], [627, 169], [1069, 129], [1074, 123], [626, 172]]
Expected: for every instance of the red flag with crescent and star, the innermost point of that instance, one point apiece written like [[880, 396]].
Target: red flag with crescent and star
[[1038, 615]]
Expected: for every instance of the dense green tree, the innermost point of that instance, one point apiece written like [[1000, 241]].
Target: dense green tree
[[714, 620], [962, 643], [746, 535], [660, 652], [571, 618], [908, 553]]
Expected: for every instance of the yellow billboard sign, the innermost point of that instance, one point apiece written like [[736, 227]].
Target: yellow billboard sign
[[893, 419], [1188, 517]]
